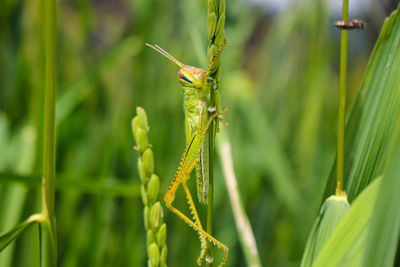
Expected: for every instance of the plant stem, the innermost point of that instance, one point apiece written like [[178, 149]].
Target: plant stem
[[49, 237], [342, 101], [216, 23], [210, 198]]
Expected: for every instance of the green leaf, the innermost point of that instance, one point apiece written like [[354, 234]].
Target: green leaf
[[374, 113], [332, 212], [385, 223], [347, 243], [14, 233]]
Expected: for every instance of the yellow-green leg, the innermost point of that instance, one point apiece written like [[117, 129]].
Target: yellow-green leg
[[200, 230], [198, 223]]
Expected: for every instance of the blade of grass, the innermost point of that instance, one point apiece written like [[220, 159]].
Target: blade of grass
[[246, 235], [15, 232], [385, 223]]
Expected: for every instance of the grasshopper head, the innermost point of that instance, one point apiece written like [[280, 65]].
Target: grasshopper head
[[192, 77]]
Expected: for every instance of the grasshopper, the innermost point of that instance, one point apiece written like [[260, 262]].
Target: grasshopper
[[199, 116]]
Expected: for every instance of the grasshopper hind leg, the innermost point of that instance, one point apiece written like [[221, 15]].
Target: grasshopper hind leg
[[196, 218], [197, 226]]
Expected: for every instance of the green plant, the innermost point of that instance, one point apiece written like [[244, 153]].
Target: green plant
[[279, 81], [46, 217], [372, 137], [156, 229], [216, 37]]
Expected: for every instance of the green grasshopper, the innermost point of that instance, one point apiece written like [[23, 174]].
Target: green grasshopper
[[199, 116]]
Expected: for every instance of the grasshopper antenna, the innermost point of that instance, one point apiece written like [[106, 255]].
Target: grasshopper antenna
[[166, 54], [215, 56]]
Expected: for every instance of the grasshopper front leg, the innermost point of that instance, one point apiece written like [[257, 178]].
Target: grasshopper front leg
[[186, 165]]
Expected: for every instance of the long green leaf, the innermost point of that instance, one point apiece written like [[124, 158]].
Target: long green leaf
[[243, 226], [15, 232], [374, 113], [385, 224]]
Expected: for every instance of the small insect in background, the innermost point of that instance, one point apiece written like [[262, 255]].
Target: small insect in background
[[350, 25], [200, 115]]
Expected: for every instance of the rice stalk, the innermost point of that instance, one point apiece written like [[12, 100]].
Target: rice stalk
[[48, 225], [216, 36], [156, 229]]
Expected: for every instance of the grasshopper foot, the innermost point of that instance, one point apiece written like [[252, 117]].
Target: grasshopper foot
[[202, 253], [220, 119]]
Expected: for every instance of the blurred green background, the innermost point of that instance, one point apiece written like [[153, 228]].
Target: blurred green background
[[279, 81]]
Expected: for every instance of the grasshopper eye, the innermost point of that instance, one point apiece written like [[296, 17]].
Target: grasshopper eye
[[182, 76], [186, 79]]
